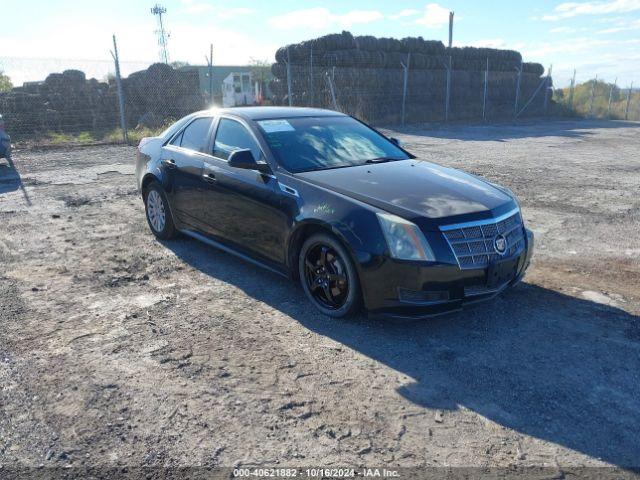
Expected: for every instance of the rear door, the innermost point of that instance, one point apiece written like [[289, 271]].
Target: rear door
[[243, 206], [183, 160]]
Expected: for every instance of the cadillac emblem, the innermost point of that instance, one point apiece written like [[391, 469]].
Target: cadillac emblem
[[500, 244]]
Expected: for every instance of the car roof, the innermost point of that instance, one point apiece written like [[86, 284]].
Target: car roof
[[268, 113]]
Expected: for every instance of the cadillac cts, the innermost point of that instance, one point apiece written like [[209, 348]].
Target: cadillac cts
[[322, 197]]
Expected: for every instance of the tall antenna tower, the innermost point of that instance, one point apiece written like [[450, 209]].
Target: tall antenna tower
[[163, 36]]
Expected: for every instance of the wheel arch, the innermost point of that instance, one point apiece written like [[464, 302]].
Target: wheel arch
[[146, 180], [305, 230]]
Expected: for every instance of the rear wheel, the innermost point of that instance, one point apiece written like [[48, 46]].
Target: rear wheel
[[329, 277], [158, 213]]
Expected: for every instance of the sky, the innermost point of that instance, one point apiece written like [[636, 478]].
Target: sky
[[41, 36]]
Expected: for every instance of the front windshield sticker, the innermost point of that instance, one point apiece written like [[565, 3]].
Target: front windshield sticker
[[272, 126]]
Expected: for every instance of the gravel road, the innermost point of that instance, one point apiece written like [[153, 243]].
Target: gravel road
[[119, 350]]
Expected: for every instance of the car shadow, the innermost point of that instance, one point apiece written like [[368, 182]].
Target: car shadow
[[545, 364], [501, 132], [10, 179]]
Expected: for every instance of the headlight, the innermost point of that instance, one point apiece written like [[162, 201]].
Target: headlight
[[405, 240]]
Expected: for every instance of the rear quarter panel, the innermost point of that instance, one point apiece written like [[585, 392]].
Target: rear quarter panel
[[148, 159]]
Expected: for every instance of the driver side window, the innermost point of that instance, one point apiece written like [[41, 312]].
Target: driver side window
[[231, 136]]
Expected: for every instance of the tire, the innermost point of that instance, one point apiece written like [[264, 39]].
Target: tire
[[158, 213], [326, 278]]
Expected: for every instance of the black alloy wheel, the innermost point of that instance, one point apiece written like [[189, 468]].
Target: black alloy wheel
[[328, 276]]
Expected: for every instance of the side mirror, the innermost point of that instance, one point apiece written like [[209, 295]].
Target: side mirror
[[396, 142], [244, 159]]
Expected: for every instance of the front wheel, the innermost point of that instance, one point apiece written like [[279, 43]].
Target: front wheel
[[329, 277], [158, 212]]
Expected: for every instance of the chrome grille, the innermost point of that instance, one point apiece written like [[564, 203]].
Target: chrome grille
[[473, 242]]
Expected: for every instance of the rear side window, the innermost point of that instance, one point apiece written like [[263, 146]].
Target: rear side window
[[196, 135], [177, 140], [231, 136]]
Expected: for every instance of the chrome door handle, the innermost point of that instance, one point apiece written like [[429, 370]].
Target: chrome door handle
[[209, 177], [169, 163]]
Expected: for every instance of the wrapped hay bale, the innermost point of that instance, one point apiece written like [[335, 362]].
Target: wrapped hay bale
[[336, 41], [54, 81], [327, 43], [368, 77], [420, 45], [74, 77], [162, 90], [533, 68], [279, 70]]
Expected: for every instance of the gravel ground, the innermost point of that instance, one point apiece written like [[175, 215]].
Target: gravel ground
[[119, 350]]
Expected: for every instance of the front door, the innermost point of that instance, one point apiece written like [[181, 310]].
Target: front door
[[243, 207]]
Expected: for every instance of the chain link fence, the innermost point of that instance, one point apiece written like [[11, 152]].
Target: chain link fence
[[391, 81], [401, 93], [383, 88], [68, 107]]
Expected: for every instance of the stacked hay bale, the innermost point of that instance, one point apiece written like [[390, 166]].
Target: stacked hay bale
[[367, 75], [159, 94], [64, 102], [67, 102]]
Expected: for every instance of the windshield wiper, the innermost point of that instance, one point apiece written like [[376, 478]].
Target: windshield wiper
[[334, 167], [382, 160]]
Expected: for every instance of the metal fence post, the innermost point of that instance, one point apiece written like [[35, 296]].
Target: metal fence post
[[626, 110], [593, 94], [448, 93], [542, 83], [515, 106], [289, 94], [123, 119], [405, 82], [611, 98], [313, 93], [547, 87], [210, 62], [332, 90], [571, 89], [485, 91]]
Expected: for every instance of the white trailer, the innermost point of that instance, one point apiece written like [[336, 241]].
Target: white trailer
[[237, 90]]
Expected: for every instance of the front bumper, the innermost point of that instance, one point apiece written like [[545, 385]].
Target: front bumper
[[404, 290]]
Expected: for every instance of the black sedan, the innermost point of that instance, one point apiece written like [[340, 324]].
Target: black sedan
[[324, 198]]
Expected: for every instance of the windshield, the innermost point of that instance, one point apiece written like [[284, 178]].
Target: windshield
[[319, 143]]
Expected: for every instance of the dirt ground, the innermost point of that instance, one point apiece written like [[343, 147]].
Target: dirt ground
[[119, 350]]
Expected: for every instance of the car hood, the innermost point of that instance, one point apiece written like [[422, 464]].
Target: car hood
[[411, 188]]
